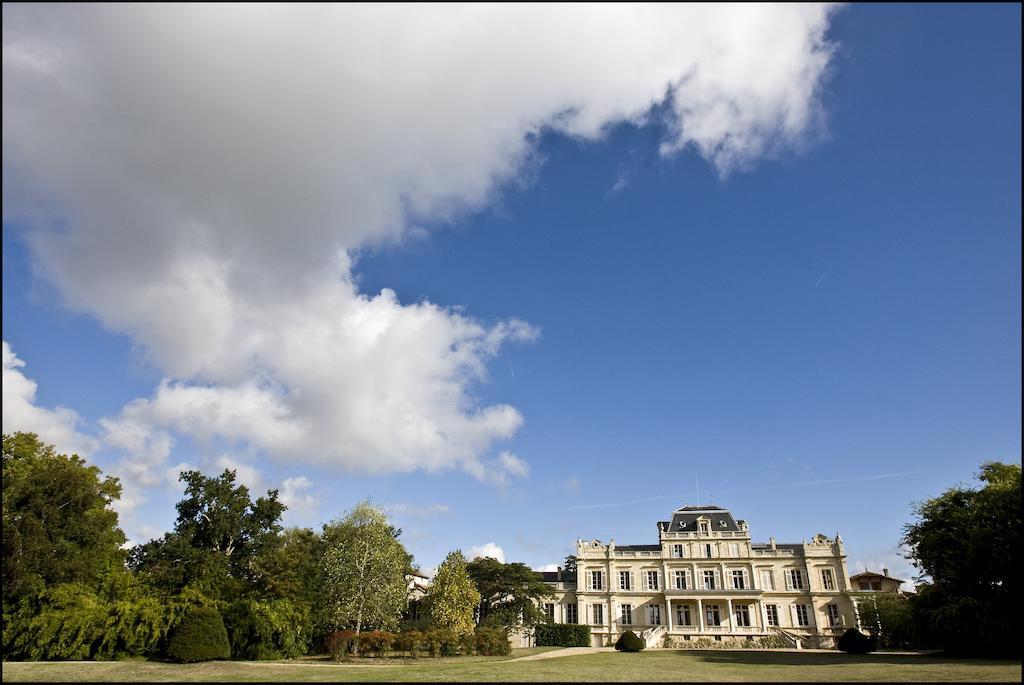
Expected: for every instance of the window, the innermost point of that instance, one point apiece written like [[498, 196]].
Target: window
[[828, 581], [801, 615], [834, 619], [703, 526], [772, 611], [709, 580], [596, 580], [414, 609], [678, 551], [654, 615], [742, 614], [734, 550], [739, 580], [549, 612], [652, 580], [597, 613], [708, 549], [570, 613], [767, 580], [626, 614], [712, 615], [683, 615], [680, 580], [795, 579], [624, 580]]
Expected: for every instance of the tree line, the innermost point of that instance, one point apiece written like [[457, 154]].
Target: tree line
[[72, 591]]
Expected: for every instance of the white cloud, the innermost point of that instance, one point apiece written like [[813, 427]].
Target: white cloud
[[486, 550], [302, 505], [215, 169], [547, 567], [58, 426], [417, 511]]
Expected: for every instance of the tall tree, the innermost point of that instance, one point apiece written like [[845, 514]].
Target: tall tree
[[452, 597], [219, 532], [967, 542], [58, 526], [509, 593], [362, 572]]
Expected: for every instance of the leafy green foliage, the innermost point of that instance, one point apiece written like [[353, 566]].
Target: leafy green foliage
[[219, 533], [58, 526], [509, 593], [968, 542], [855, 642], [452, 596], [199, 636], [889, 619], [491, 642], [562, 635], [362, 572], [275, 629], [629, 642]]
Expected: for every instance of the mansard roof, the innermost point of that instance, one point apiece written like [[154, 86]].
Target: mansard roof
[[638, 548], [684, 519]]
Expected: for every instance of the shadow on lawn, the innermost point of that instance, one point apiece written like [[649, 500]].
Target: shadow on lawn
[[836, 659]]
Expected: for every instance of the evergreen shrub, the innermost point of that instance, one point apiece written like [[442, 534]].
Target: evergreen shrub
[[492, 642], [855, 642], [629, 642], [200, 636]]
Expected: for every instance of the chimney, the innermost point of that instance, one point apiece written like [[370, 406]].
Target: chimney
[[558, 575], [771, 540], [885, 571]]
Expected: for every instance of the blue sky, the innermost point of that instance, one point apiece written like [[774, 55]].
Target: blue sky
[[819, 330]]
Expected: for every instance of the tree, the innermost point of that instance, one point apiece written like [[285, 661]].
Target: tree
[[570, 563], [888, 618], [219, 533], [452, 597], [967, 541], [58, 526], [286, 567], [362, 572], [509, 593]]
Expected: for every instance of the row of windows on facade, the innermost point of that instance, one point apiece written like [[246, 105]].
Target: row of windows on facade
[[796, 579], [684, 615]]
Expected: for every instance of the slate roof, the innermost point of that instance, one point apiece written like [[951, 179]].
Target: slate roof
[[552, 576], [872, 574], [638, 548], [684, 519]]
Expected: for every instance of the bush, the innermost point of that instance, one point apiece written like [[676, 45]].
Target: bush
[[629, 642], [855, 642], [378, 642], [492, 642], [200, 636], [339, 643], [562, 635], [409, 641], [277, 629]]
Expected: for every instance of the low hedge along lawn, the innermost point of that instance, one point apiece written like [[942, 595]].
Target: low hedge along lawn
[[200, 636], [562, 635]]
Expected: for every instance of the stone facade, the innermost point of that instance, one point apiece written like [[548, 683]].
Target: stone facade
[[706, 579]]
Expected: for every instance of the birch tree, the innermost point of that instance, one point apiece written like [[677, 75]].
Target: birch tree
[[362, 572]]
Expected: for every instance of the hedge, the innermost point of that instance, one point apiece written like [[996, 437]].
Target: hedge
[[200, 636], [276, 629], [562, 635]]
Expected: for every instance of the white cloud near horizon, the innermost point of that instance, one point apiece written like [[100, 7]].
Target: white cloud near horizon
[[488, 549], [57, 426], [201, 178]]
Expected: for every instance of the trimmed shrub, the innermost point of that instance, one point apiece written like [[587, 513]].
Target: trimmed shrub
[[492, 642], [855, 642], [409, 641], [562, 635], [200, 636], [378, 642], [432, 642], [629, 642], [339, 643]]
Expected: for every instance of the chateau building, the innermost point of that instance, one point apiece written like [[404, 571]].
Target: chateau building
[[705, 578]]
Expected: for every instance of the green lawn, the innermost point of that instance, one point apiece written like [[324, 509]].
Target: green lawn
[[655, 665]]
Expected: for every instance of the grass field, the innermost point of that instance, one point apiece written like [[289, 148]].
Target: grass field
[[655, 665]]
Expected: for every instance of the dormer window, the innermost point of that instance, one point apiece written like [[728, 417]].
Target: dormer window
[[704, 526], [721, 523]]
